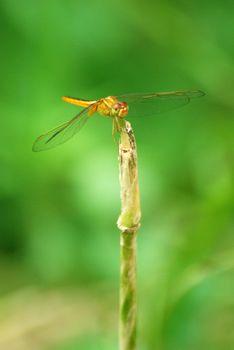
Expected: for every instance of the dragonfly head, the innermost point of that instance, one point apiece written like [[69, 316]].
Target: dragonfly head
[[120, 109]]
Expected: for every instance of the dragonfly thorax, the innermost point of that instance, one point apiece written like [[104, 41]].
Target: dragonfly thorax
[[111, 107]]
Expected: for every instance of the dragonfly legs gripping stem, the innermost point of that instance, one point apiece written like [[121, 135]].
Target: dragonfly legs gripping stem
[[117, 126]]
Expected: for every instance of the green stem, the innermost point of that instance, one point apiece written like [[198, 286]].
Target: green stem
[[128, 223], [128, 305]]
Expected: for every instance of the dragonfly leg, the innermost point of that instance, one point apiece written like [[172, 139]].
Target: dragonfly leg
[[118, 128], [122, 123], [113, 131], [113, 128]]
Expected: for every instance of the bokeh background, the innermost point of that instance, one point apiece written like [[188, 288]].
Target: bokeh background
[[59, 245]]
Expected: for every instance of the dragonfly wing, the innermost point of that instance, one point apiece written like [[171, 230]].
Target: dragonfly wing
[[62, 133], [154, 103]]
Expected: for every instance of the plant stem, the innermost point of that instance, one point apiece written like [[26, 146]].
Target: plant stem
[[128, 223]]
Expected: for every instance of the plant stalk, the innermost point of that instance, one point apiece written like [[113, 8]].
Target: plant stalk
[[128, 223]]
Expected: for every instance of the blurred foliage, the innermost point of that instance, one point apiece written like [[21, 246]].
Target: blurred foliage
[[59, 208]]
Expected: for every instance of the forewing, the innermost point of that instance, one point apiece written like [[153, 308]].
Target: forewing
[[62, 133], [154, 103]]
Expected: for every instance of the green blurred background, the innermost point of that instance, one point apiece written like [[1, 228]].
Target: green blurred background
[[59, 245]]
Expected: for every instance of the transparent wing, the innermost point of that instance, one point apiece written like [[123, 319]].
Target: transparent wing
[[62, 133], [157, 102]]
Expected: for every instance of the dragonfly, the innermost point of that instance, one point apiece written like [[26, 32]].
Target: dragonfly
[[116, 108]]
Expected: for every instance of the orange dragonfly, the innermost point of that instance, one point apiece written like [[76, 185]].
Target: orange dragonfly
[[117, 108]]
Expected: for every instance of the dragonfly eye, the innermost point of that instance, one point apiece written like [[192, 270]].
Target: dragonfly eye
[[120, 109], [117, 106]]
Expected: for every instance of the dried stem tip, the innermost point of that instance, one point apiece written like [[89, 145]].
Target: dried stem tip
[[129, 219]]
